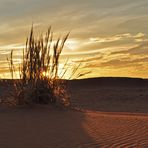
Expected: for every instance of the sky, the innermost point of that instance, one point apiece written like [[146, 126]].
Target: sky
[[108, 37]]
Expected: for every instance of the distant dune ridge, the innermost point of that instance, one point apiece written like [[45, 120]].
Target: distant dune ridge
[[111, 81], [111, 112], [111, 94]]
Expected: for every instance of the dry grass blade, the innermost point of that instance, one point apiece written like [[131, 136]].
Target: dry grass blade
[[39, 82]]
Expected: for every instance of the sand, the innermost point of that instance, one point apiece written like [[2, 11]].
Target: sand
[[119, 122]]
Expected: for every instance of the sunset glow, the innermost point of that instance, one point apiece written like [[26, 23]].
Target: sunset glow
[[109, 38]]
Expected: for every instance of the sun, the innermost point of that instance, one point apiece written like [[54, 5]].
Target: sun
[[72, 44], [63, 72]]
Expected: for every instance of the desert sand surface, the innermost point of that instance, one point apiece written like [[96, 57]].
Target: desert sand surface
[[110, 94], [113, 114]]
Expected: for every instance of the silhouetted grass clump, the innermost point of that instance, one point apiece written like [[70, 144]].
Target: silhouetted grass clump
[[39, 80]]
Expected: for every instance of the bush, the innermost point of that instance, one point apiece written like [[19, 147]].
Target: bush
[[39, 81]]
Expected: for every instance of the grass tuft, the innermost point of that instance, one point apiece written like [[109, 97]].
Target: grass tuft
[[39, 81]]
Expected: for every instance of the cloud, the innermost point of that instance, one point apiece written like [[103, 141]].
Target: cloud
[[115, 38], [115, 43], [84, 18], [135, 24], [139, 35], [118, 63], [124, 63], [111, 38], [89, 59], [141, 49]]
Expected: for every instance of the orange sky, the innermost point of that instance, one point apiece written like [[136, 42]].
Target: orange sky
[[109, 37]]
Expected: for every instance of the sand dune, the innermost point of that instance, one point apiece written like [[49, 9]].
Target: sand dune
[[111, 117], [42, 127], [110, 94], [111, 130]]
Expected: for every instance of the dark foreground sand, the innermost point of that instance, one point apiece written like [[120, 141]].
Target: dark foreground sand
[[116, 122]]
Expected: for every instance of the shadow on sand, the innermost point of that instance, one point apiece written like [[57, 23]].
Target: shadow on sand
[[43, 127]]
